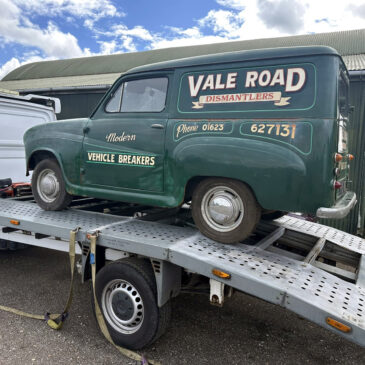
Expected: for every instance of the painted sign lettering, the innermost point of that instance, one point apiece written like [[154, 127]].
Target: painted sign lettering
[[297, 135], [251, 89], [114, 137], [241, 98], [211, 82], [121, 159], [184, 129]]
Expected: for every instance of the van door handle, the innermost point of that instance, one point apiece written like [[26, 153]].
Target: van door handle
[[85, 130], [157, 126]]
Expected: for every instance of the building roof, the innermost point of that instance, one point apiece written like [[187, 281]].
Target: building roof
[[247, 55], [99, 71]]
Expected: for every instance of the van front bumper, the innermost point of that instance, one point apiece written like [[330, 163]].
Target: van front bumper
[[340, 209]]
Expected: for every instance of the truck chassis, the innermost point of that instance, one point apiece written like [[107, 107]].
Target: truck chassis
[[313, 270]]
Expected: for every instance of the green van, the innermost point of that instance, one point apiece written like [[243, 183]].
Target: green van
[[236, 135]]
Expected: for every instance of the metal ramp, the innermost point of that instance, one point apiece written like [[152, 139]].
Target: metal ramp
[[295, 279]]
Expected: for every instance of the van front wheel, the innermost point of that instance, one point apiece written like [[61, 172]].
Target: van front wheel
[[225, 210], [48, 186]]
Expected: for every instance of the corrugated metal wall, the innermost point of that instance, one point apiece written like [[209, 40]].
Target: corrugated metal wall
[[354, 222]]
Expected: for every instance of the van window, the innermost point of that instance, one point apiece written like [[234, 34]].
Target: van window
[[113, 105], [146, 95], [343, 97]]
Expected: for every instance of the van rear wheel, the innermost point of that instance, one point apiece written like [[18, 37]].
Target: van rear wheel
[[225, 210], [48, 186]]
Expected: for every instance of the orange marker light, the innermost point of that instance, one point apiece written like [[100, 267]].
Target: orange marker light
[[221, 274], [350, 157], [338, 157], [15, 222], [340, 326]]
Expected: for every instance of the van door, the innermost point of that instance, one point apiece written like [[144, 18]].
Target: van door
[[124, 142]]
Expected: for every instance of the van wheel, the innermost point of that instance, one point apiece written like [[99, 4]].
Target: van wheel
[[126, 294], [48, 186], [225, 210]]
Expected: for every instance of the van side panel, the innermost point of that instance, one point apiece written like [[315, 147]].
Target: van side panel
[[282, 148]]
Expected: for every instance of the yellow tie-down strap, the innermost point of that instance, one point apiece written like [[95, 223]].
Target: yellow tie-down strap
[[55, 321], [104, 329]]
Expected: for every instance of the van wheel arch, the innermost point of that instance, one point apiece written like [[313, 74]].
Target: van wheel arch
[[193, 182], [38, 156]]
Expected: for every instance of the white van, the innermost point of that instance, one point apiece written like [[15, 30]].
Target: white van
[[17, 114]]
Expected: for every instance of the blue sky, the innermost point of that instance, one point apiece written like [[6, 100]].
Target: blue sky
[[35, 30]]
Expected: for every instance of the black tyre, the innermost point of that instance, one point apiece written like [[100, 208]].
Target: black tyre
[[48, 186], [126, 294], [225, 210]]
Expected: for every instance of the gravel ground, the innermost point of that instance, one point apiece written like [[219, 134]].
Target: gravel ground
[[245, 331]]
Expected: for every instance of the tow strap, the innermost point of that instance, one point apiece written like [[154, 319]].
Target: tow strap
[[99, 316], [55, 321]]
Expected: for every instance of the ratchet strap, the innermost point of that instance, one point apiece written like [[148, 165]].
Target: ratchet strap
[[99, 316], [55, 321]]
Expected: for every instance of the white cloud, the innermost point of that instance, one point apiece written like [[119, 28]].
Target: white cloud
[[79, 8], [9, 66], [16, 28], [135, 32], [234, 4], [108, 47], [254, 19], [128, 44], [274, 14], [357, 10], [223, 21]]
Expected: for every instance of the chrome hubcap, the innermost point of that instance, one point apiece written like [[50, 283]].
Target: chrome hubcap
[[122, 306], [48, 185], [222, 209]]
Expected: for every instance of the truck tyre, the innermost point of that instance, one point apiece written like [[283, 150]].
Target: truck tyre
[[127, 296], [225, 210], [48, 186]]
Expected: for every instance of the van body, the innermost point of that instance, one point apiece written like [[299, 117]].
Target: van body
[[274, 120], [17, 114]]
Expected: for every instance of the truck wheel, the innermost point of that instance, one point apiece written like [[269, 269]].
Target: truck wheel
[[225, 210], [48, 186], [126, 294]]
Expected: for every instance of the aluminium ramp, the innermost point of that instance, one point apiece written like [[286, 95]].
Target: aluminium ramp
[[296, 285]]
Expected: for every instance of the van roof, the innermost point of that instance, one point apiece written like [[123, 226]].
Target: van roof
[[238, 56]]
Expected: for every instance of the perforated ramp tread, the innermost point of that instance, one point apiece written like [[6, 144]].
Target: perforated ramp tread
[[300, 287]]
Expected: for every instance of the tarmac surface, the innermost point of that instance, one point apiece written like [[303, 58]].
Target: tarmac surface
[[245, 331]]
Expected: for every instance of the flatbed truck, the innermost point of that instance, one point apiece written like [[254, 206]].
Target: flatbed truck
[[146, 256]]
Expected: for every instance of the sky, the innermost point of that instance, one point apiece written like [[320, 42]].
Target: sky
[[36, 30]]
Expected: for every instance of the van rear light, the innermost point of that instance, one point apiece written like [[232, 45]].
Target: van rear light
[[337, 185], [338, 157], [350, 157], [336, 171]]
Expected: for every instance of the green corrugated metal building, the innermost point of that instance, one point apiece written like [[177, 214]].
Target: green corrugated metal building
[[81, 82]]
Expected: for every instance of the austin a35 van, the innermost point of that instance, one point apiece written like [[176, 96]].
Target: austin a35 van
[[236, 134]]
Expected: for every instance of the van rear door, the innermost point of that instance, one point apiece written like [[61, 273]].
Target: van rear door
[[343, 124]]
